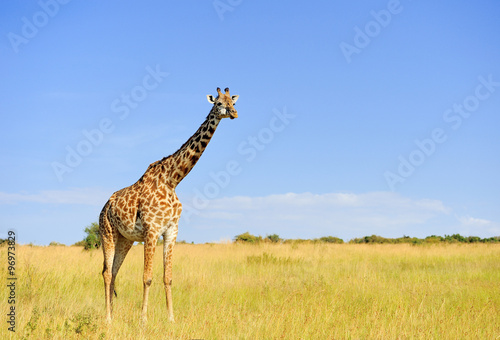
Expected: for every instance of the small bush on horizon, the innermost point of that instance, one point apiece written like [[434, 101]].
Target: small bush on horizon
[[330, 239], [92, 240], [56, 244], [274, 238], [247, 238]]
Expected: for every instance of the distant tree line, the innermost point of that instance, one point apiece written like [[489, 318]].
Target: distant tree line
[[274, 238], [373, 239], [455, 238]]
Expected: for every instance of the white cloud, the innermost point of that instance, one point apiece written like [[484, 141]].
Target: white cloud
[[85, 196], [472, 221], [477, 226]]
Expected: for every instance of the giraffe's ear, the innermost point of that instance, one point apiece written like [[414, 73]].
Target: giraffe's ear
[[235, 98], [211, 99]]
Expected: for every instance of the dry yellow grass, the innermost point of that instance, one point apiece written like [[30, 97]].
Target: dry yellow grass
[[235, 291]]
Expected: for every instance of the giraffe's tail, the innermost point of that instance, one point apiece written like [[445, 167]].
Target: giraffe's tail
[[104, 226], [106, 237]]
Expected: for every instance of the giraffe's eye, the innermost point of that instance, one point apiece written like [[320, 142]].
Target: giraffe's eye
[[219, 104]]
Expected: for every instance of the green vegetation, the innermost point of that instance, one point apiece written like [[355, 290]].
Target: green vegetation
[[247, 238], [56, 244], [92, 240], [330, 239], [374, 239], [273, 238], [455, 238]]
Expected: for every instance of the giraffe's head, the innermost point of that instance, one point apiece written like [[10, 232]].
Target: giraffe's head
[[223, 104]]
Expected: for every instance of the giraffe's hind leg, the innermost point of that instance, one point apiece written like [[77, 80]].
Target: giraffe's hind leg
[[108, 240], [108, 248], [122, 246]]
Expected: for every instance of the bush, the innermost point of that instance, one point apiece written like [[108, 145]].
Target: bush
[[371, 239], [473, 239], [331, 239], [495, 239], [55, 244], [434, 239], [273, 238], [454, 238], [92, 240], [248, 238]]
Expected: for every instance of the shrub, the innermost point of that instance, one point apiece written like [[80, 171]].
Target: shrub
[[79, 243], [248, 238], [92, 240], [55, 244], [434, 239], [331, 239], [273, 238]]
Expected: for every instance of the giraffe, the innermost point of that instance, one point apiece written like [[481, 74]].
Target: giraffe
[[150, 208]]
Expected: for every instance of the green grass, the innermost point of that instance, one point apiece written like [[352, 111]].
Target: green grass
[[266, 291]]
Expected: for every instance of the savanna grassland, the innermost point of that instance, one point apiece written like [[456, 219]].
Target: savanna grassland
[[265, 291]]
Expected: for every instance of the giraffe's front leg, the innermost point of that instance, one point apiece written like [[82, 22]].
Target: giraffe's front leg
[[149, 251], [169, 238]]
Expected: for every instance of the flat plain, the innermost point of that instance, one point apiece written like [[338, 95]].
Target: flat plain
[[265, 291]]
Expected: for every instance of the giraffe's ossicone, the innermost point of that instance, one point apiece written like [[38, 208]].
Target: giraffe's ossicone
[[150, 208]]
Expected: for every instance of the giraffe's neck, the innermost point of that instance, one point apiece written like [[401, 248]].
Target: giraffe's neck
[[179, 164]]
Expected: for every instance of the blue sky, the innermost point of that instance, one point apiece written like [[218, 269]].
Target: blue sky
[[355, 118]]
